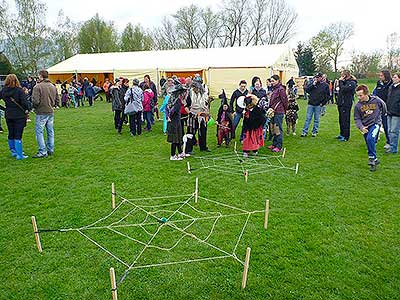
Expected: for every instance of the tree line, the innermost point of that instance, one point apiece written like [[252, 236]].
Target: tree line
[[30, 44]]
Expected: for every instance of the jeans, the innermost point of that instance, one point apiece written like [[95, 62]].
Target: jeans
[[15, 128], [386, 128], [371, 138], [1, 115], [277, 141], [135, 123], [148, 116], [236, 121], [394, 132], [312, 110], [43, 121]]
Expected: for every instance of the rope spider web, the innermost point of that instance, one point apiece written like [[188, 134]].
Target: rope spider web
[[234, 163], [177, 215]]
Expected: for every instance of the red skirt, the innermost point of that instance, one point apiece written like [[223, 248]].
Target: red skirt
[[253, 139]]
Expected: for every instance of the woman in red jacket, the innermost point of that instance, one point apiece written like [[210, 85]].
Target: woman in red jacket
[[148, 95]]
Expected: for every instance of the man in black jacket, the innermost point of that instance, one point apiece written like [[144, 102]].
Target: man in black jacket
[[346, 90], [318, 92], [393, 107], [238, 114]]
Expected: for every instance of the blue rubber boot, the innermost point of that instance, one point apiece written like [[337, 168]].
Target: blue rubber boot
[[18, 149], [11, 146]]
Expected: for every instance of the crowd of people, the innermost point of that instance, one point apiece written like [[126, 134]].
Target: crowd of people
[[186, 110]]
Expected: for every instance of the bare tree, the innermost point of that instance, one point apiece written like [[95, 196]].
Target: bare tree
[[166, 36], [393, 51], [280, 22], [329, 42], [211, 26]]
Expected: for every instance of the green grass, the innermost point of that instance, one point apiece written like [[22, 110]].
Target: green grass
[[333, 233]]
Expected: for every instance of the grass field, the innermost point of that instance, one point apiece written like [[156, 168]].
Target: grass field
[[334, 230]]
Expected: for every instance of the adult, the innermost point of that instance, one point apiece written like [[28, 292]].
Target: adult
[[162, 81], [198, 117], [327, 81], [44, 98], [393, 106], [238, 112], [30, 85], [89, 92], [147, 81], [134, 95], [290, 84], [258, 90], [16, 109], [318, 91], [381, 90], [279, 105], [367, 116], [116, 105], [106, 88], [85, 84], [346, 90], [305, 85]]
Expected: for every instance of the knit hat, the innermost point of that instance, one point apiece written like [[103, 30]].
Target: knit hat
[[135, 81]]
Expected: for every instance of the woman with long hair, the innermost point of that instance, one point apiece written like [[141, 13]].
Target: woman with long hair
[[17, 107]]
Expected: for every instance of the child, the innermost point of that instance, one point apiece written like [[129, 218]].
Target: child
[[162, 109], [79, 94], [148, 95], [292, 115], [225, 124], [368, 118], [72, 92], [174, 127], [253, 124], [64, 97]]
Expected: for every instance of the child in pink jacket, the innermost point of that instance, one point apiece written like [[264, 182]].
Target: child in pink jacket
[[148, 96]]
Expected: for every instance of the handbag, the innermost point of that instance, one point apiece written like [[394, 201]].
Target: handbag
[[26, 112], [130, 106]]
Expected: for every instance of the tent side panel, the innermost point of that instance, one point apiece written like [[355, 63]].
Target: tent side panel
[[229, 78], [139, 74]]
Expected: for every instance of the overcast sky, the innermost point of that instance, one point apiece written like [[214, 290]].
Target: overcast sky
[[373, 20]]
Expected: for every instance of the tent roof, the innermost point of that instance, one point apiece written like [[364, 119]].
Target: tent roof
[[175, 60]]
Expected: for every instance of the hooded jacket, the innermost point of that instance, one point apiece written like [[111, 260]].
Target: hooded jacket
[[367, 113], [319, 93], [13, 111], [279, 101]]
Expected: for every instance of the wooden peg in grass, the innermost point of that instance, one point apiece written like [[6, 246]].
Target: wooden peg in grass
[[266, 214], [113, 195], [113, 284], [297, 168], [196, 191], [246, 267], [246, 175], [188, 168], [36, 232]]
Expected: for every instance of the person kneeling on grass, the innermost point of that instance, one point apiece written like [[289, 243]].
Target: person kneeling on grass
[[367, 116], [253, 124], [174, 127]]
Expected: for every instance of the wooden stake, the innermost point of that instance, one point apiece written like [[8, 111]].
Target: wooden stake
[[188, 168], [284, 152], [246, 267], [246, 175], [196, 191], [297, 168], [235, 147], [113, 284], [266, 214], [35, 230], [113, 195]]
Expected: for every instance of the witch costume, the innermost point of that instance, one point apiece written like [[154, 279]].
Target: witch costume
[[174, 127], [253, 123]]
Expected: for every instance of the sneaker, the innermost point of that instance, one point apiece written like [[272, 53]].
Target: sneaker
[[343, 139], [175, 157], [40, 155], [314, 134], [387, 146], [294, 133], [245, 155], [219, 146], [271, 147], [182, 155], [303, 135], [255, 153], [276, 150], [1, 130], [339, 137], [187, 155], [50, 153]]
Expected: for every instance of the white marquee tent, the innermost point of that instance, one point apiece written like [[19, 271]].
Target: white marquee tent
[[221, 68]]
